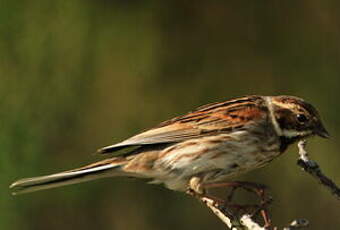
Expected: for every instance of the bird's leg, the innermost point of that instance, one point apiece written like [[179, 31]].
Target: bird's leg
[[196, 189], [263, 208], [248, 186], [231, 194], [258, 189], [195, 186]]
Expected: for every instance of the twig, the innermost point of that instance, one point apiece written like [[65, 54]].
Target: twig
[[250, 224], [313, 169], [233, 223], [246, 222], [297, 224]]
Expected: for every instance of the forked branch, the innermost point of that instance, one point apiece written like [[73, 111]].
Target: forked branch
[[245, 222], [233, 222], [313, 169]]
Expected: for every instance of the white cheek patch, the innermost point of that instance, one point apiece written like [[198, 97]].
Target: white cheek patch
[[276, 125], [295, 133]]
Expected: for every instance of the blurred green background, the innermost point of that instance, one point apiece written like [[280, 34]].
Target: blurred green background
[[78, 75]]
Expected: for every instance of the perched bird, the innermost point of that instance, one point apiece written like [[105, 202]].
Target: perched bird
[[212, 144]]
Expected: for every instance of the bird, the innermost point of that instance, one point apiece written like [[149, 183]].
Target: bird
[[210, 145]]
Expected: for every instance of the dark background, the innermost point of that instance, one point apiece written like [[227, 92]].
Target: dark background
[[77, 75]]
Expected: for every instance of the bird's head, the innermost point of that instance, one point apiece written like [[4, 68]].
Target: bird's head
[[296, 119]]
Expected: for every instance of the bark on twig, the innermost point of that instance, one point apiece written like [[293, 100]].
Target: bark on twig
[[246, 222], [313, 169], [233, 223], [297, 224]]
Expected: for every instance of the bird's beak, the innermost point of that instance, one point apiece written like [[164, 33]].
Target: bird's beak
[[321, 131]]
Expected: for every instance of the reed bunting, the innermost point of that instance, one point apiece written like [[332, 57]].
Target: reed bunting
[[211, 144]]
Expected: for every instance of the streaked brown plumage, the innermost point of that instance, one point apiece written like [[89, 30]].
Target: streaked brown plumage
[[213, 143]]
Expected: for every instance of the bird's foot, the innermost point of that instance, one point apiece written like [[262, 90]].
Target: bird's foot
[[253, 209]]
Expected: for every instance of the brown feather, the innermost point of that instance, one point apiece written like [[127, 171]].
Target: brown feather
[[223, 117]]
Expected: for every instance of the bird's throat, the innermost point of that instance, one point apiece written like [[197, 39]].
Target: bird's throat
[[286, 141]]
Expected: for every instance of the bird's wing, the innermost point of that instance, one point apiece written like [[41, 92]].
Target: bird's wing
[[211, 119]]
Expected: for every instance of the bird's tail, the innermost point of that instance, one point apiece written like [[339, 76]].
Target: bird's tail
[[101, 169]]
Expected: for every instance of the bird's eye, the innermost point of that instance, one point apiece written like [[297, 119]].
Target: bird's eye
[[301, 118]]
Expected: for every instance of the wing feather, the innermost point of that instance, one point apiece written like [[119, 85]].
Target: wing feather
[[214, 118], [167, 134]]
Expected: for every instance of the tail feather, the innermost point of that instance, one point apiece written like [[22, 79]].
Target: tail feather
[[94, 171]]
